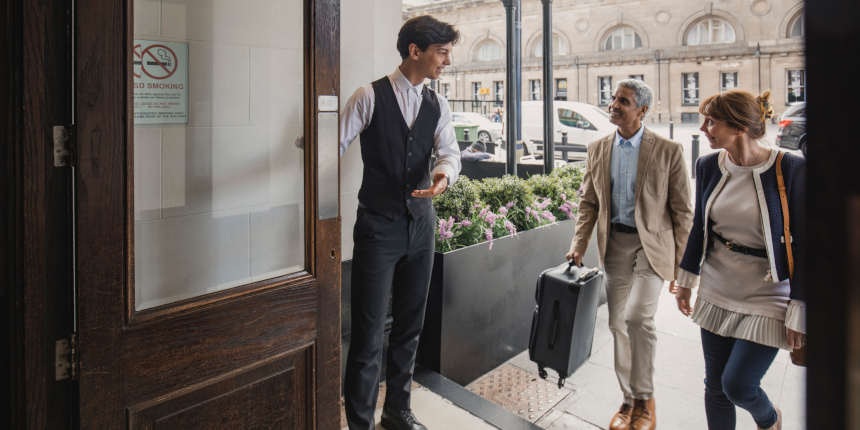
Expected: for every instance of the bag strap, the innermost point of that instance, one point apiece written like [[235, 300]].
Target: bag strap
[[785, 221]]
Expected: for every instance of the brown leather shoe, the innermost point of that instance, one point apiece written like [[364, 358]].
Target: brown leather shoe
[[621, 419], [644, 415]]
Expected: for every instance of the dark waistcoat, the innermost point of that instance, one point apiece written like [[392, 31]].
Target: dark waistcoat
[[397, 158]]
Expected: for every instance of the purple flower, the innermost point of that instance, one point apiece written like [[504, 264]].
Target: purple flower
[[450, 223], [510, 226], [488, 233], [476, 206], [563, 196], [566, 209], [466, 223], [542, 205], [548, 215], [490, 218], [509, 205], [483, 212], [503, 210]]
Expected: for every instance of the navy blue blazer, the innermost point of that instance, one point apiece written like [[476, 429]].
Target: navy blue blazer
[[709, 175]]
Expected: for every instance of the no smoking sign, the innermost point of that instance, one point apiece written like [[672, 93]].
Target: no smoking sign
[[160, 82], [156, 61]]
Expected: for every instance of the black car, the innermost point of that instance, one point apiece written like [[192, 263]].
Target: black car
[[792, 128]]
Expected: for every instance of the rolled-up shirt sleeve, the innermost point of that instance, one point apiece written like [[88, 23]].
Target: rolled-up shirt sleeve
[[355, 116], [445, 142]]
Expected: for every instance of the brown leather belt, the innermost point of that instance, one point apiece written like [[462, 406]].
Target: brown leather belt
[[735, 247]]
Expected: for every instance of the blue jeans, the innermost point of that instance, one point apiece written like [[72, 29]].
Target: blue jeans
[[733, 372]]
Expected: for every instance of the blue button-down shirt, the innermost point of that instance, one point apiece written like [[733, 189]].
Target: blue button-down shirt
[[624, 163]]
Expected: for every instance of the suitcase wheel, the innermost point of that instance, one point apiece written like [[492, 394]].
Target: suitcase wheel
[[541, 372], [561, 382]]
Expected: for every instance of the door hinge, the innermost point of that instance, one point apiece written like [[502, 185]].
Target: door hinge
[[63, 145], [66, 358]]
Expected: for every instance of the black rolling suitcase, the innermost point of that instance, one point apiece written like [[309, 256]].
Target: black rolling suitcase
[[564, 318]]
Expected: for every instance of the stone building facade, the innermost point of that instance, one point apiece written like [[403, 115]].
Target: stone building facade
[[685, 50]]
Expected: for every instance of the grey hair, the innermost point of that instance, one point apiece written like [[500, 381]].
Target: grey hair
[[644, 94]]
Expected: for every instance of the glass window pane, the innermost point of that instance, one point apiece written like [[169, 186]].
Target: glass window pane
[[218, 177]]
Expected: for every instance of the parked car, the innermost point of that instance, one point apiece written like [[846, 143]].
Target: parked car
[[792, 128], [583, 123], [488, 131]]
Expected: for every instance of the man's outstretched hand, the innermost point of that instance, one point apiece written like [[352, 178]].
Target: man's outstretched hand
[[440, 184]]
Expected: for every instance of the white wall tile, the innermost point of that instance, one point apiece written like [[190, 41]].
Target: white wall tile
[[219, 84], [240, 168], [182, 257], [147, 173], [147, 18], [277, 239], [187, 173], [277, 90], [274, 23]]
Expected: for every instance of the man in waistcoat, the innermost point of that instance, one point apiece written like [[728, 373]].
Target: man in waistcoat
[[636, 191], [401, 123]]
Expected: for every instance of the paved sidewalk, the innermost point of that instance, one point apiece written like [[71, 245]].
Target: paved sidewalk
[[591, 396]]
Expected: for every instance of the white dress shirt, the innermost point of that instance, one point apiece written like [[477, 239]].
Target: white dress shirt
[[358, 112]]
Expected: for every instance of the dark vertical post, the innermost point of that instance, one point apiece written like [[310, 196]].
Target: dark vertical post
[[512, 66], [694, 155], [671, 130], [518, 69], [548, 139]]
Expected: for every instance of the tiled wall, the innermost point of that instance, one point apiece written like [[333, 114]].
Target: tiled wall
[[219, 201]]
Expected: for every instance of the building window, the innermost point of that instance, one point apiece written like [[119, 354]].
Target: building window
[[561, 89], [690, 92], [604, 90], [728, 81], [499, 90], [638, 77], [796, 86], [709, 31], [559, 46], [622, 38], [476, 90], [534, 89], [797, 27], [445, 90], [488, 50]]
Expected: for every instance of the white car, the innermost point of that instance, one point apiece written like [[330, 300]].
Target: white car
[[583, 123], [488, 131]]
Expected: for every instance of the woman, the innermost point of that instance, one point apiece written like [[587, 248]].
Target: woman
[[747, 307]]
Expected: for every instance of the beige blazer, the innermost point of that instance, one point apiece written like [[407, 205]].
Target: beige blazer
[[663, 211]]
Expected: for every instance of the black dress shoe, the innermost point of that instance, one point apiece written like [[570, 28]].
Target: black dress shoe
[[400, 420]]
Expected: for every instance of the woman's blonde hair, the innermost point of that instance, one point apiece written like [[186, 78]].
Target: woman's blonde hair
[[740, 110]]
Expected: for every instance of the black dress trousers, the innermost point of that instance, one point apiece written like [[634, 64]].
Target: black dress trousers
[[392, 260]]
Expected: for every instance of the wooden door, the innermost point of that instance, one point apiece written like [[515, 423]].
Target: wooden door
[[207, 232]]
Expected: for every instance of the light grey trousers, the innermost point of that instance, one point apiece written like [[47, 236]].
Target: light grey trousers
[[632, 293]]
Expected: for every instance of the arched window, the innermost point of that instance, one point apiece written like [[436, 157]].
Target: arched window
[[709, 31], [797, 27], [488, 50], [559, 46], [622, 38]]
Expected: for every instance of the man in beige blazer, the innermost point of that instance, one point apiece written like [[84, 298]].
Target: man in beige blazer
[[637, 191]]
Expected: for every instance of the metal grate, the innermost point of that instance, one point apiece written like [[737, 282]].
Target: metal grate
[[518, 391]]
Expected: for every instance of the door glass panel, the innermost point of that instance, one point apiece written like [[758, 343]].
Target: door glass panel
[[218, 175]]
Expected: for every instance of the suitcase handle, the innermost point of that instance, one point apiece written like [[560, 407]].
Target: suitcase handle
[[553, 334]]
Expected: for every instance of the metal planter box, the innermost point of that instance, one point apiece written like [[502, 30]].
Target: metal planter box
[[481, 301]]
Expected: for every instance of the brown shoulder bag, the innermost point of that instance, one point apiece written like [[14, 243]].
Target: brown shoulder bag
[[798, 356]]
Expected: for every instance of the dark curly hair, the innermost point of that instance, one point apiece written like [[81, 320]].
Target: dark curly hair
[[424, 31]]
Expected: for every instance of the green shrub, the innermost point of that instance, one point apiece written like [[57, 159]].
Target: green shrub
[[471, 212], [459, 200]]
